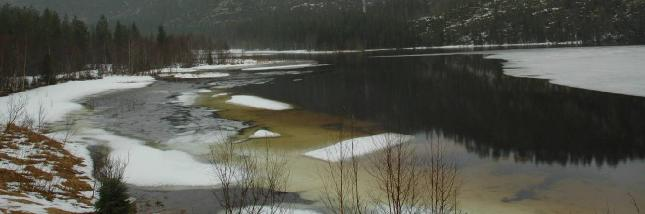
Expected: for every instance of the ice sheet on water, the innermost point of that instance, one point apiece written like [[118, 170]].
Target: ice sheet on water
[[263, 133], [258, 102], [609, 69], [358, 146]]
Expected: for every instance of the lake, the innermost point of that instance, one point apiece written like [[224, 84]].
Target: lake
[[522, 145]]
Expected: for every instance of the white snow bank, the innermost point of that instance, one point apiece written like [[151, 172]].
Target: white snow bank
[[258, 102], [358, 146], [610, 69], [469, 46], [148, 166], [296, 66], [243, 64], [177, 69], [58, 99], [196, 75], [262, 133]]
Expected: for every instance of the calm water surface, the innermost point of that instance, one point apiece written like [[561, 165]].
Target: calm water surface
[[523, 145]]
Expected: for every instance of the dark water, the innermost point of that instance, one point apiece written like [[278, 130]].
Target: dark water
[[468, 99]]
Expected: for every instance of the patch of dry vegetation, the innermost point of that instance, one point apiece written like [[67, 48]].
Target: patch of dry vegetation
[[35, 166]]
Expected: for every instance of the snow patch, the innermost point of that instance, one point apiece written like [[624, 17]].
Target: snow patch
[[358, 146], [258, 102], [262, 133], [202, 75], [277, 67], [58, 99], [148, 166]]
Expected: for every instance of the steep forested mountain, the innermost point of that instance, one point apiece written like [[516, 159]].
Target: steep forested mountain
[[327, 24]]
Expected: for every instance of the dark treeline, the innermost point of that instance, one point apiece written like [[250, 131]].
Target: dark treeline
[[405, 23], [39, 48], [325, 25], [356, 24]]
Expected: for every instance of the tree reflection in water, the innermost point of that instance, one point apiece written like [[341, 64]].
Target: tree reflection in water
[[467, 98]]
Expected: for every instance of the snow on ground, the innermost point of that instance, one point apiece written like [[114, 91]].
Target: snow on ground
[[262, 133], [58, 99], [176, 69], [258, 102], [610, 69], [35, 168], [278, 67], [469, 46], [472, 46], [148, 166], [201, 75], [244, 63], [358, 146]]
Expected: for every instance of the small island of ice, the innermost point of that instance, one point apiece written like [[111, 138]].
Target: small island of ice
[[262, 133], [258, 102], [358, 146]]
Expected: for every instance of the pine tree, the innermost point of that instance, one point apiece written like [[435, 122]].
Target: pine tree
[[161, 36], [102, 38]]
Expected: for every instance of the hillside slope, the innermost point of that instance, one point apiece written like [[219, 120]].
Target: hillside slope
[[41, 175]]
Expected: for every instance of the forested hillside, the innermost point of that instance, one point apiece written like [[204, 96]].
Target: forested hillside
[[333, 24], [42, 47], [521, 21]]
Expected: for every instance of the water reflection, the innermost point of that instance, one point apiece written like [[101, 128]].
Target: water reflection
[[468, 99]]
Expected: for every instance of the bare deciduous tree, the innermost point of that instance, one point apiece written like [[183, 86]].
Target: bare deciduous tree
[[341, 182], [16, 107], [404, 181], [441, 181], [250, 182], [397, 175]]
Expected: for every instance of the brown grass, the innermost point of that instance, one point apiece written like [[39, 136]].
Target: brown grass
[[49, 152], [52, 210], [38, 174]]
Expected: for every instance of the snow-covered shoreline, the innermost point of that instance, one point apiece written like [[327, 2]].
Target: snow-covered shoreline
[[148, 166], [59, 100], [444, 47]]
